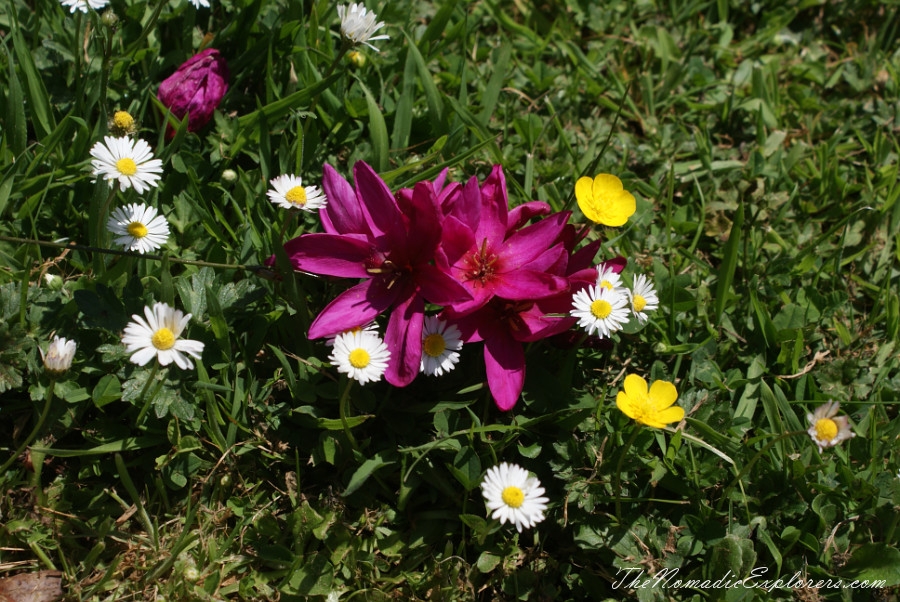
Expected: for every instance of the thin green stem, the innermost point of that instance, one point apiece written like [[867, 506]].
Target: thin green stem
[[148, 399], [98, 233], [345, 46], [752, 462], [76, 247], [634, 433], [35, 431], [344, 409], [591, 169]]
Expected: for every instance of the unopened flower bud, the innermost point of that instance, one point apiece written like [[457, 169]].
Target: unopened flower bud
[[58, 358], [122, 124], [54, 282], [229, 176], [356, 58], [109, 18], [196, 88]]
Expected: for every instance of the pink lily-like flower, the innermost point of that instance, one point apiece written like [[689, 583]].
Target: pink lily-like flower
[[367, 236], [490, 259], [504, 325]]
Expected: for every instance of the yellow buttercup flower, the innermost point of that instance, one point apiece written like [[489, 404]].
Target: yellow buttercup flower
[[604, 200], [654, 407]]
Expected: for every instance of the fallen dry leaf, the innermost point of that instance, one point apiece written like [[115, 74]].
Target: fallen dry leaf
[[42, 586]]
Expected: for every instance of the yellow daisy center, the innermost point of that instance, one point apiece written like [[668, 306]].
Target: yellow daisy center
[[826, 429], [359, 358], [434, 344], [607, 284], [163, 339], [123, 120], [601, 309], [126, 166], [296, 195], [639, 303], [137, 229], [513, 496]]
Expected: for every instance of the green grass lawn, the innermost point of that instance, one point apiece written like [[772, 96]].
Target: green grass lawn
[[760, 141]]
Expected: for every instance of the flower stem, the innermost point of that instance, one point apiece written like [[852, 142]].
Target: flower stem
[[148, 399], [315, 99], [618, 487], [34, 432], [344, 408], [257, 269]]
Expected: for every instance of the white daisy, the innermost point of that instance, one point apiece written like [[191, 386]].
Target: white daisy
[[158, 336], [360, 355], [58, 358], [199, 3], [607, 278], [83, 5], [288, 192], [826, 428], [600, 309], [514, 496], [643, 298], [358, 24], [441, 343], [129, 161], [138, 228]]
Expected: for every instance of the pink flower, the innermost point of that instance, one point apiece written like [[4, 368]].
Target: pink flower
[[484, 248], [196, 88], [368, 237]]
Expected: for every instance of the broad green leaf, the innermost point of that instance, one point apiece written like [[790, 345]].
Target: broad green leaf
[[107, 390], [366, 470], [874, 562]]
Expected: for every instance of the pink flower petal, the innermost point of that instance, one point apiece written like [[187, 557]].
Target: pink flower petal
[[329, 255], [438, 287], [494, 208], [358, 305], [342, 214], [504, 360], [378, 205], [404, 339], [521, 214], [521, 285]]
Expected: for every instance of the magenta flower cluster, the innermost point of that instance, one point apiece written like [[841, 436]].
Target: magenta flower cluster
[[503, 280]]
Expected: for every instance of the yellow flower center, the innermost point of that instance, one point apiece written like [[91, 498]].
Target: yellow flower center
[[126, 166], [123, 120], [607, 284], [359, 358], [513, 496], [296, 195], [601, 309], [826, 429], [639, 303], [434, 344], [163, 339], [137, 229]]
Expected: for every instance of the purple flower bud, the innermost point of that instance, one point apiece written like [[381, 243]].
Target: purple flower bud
[[196, 88]]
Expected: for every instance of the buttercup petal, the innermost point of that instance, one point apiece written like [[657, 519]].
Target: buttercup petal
[[662, 395], [635, 387]]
